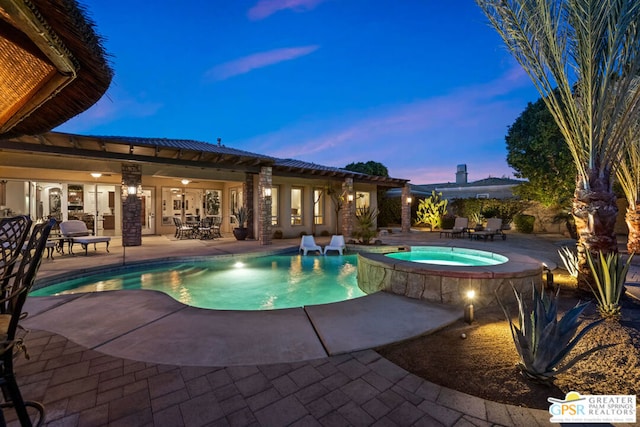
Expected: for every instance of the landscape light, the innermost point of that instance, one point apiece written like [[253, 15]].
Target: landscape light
[[549, 276], [468, 309]]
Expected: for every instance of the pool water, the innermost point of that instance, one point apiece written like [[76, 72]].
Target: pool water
[[260, 283], [444, 255]]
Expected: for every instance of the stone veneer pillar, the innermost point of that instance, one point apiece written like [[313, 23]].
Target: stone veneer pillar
[[247, 201], [348, 208], [131, 205], [264, 206], [405, 209]]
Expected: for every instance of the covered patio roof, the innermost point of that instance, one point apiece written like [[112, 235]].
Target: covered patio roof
[[52, 65], [180, 152]]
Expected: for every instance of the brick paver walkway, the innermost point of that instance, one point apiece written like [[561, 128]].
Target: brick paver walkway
[[81, 387]]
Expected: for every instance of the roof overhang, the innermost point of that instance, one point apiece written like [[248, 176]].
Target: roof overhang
[[104, 148], [52, 66]]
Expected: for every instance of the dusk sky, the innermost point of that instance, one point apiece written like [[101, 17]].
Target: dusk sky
[[417, 85]]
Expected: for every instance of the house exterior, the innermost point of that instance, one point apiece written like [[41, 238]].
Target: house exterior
[[131, 186], [53, 67], [487, 188]]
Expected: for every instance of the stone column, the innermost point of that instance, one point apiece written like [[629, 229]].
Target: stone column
[[247, 201], [131, 204], [405, 208], [348, 208], [264, 206]]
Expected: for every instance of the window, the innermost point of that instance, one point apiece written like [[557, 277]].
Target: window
[[362, 200], [274, 206], [318, 206], [296, 206]]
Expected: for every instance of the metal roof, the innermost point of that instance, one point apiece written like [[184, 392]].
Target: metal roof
[[181, 152]]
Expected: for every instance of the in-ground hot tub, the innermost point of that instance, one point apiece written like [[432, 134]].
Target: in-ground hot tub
[[410, 271]]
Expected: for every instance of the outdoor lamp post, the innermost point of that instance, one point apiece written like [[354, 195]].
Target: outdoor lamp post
[[468, 309]]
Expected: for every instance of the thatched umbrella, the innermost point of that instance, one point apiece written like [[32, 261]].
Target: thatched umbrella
[[52, 65]]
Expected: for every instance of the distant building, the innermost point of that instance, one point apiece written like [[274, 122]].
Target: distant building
[[487, 188]]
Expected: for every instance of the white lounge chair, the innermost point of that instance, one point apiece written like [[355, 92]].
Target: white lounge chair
[[308, 243], [336, 244]]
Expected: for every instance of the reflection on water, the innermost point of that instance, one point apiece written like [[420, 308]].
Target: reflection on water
[[264, 283]]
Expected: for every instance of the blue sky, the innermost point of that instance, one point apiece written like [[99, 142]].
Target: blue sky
[[417, 85]]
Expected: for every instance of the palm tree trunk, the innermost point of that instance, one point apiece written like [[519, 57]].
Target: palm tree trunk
[[632, 218], [595, 211]]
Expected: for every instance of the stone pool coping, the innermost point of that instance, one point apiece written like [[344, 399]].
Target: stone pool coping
[[447, 284]]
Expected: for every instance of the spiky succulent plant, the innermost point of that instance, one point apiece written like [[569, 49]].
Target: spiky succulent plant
[[542, 341]]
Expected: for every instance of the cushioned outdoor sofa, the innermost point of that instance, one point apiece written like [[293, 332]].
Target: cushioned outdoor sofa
[[75, 231]]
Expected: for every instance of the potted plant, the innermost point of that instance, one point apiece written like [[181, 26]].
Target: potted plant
[[241, 231]]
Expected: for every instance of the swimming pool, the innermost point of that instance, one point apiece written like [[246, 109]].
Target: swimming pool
[[259, 283]]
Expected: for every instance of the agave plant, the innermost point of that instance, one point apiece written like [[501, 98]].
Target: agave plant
[[609, 275], [542, 341], [570, 260]]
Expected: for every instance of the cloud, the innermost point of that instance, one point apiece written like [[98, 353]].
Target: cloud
[[421, 140], [266, 8], [258, 60], [112, 106]]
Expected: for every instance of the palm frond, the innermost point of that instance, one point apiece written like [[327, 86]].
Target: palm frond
[[589, 50]]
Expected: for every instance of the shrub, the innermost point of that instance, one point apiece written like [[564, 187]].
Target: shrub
[[610, 275], [366, 218], [542, 342], [325, 233], [524, 223], [431, 210], [448, 222], [570, 260], [277, 234]]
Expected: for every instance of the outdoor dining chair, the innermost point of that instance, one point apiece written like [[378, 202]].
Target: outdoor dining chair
[[182, 230], [13, 233], [16, 284]]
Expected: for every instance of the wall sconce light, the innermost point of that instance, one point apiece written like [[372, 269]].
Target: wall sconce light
[[266, 192], [132, 190], [468, 309], [409, 200], [549, 276], [349, 198], [185, 181]]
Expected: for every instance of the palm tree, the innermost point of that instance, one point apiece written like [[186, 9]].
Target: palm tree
[[628, 175], [582, 56]]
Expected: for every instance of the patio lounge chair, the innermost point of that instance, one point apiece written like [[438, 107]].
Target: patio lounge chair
[[493, 228], [75, 231], [308, 243], [459, 227], [336, 244]]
